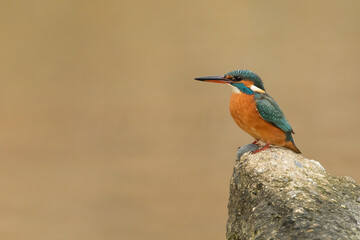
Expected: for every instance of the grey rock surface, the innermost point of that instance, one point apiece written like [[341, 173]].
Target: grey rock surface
[[278, 194], [246, 148]]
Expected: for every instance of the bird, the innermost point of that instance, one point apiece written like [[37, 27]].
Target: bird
[[255, 111]]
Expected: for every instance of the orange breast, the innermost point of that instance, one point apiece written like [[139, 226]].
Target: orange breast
[[245, 114]]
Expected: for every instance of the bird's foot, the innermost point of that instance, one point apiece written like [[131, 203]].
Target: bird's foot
[[256, 142], [261, 149]]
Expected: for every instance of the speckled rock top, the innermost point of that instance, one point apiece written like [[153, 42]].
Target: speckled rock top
[[278, 194]]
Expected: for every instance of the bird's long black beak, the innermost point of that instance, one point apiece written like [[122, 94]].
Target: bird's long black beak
[[215, 79]]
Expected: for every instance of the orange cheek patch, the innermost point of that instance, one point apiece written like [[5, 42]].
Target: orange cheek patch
[[247, 83]]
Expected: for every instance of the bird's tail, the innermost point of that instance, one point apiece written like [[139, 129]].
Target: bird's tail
[[292, 146], [290, 143]]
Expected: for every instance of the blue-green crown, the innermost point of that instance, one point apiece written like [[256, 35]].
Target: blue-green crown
[[249, 75]]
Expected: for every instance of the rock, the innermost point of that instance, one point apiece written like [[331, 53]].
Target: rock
[[278, 194], [244, 149]]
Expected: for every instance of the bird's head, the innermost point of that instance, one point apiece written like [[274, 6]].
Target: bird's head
[[240, 80]]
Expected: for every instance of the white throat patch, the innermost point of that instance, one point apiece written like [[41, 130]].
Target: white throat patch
[[234, 89]]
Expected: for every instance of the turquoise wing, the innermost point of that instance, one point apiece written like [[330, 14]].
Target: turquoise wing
[[271, 112]]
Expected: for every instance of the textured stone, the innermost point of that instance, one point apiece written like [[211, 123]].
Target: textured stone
[[278, 194], [246, 148]]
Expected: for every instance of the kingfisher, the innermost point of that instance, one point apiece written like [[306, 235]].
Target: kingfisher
[[255, 111]]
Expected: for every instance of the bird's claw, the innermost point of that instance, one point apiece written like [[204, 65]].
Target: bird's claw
[[261, 149]]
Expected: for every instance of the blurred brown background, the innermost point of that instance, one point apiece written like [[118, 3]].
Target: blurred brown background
[[105, 135]]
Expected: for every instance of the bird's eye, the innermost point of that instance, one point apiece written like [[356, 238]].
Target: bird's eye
[[237, 78], [234, 78]]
